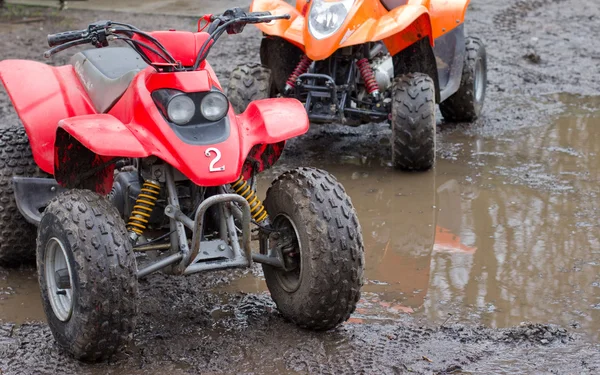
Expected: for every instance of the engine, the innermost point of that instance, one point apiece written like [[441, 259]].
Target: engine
[[128, 185], [125, 190], [383, 67]]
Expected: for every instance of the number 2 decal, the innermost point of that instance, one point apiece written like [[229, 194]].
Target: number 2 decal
[[212, 167]]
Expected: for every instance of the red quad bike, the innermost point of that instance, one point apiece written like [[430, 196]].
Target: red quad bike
[[148, 155], [362, 61]]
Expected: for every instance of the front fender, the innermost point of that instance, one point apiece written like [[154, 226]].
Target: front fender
[[86, 148], [43, 95], [400, 28], [104, 135], [271, 121], [291, 30]]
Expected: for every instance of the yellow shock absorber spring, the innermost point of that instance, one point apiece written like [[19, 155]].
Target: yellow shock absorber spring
[[144, 205], [257, 209]]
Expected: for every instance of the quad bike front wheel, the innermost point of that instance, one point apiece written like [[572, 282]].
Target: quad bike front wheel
[[247, 83], [413, 122], [320, 240], [466, 104], [17, 241], [87, 275]]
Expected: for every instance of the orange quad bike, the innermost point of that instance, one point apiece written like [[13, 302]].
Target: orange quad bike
[[360, 61]]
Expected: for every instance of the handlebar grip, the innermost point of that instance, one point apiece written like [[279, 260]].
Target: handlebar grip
[[65, 46], [66, 37], [259, 14]]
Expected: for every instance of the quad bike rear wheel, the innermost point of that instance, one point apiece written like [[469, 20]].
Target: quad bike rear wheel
[[466, 104], [321, 243], [247, 83], [87, 275], [17, 241], [413, 122]]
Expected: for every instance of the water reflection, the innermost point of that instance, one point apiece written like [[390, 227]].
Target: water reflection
[[505, 234], [534, 223]]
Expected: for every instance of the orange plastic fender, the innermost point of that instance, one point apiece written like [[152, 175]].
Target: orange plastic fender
[[302, 6], [291, 30], [367, 21], [398, 29]]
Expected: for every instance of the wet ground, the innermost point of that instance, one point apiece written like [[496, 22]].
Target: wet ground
[[488, 264]]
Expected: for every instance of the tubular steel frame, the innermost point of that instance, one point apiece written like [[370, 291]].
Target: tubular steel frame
[[201, 254]]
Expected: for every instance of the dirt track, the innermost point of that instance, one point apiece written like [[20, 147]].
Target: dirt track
[[543, 57]]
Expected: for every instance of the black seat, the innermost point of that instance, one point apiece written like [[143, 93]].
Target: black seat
[[106, 73], [391, 4]]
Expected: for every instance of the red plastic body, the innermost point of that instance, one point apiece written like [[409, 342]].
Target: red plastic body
[[134, 127]]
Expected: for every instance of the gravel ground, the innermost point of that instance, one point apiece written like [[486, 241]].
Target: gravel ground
[[536, 49]]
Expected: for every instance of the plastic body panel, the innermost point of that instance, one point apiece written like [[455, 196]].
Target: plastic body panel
[[42, 96], [368, 21], [134, 127]]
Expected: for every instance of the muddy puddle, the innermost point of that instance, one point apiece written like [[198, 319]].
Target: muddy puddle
[[505, 231], [20, 297]]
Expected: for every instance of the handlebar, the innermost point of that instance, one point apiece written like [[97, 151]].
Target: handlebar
[[100, 33], [64, 46], [66, 37], [238, 13], [259, 14]]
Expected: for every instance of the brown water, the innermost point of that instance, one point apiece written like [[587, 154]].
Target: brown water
[[20, 297], [507, 232]]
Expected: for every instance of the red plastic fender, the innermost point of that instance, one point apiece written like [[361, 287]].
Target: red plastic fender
[[271, 121], [104, 135], [42, 96]]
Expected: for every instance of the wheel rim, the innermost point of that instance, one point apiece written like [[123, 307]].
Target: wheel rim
[[479, 80], [58, 270], [289, 280]]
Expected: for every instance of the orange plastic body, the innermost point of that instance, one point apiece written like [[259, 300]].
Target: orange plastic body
[[367, 21]]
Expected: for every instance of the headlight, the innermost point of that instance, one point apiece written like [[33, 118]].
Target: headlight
[[326, 17], [181, 109], [214, 106]]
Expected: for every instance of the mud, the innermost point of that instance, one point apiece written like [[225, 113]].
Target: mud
[[488, 264]]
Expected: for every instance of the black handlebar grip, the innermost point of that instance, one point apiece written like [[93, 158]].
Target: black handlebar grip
[[66, 37], [259, 14]]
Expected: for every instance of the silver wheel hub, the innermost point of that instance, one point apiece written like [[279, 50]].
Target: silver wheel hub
[[479, 81], [59, 279], [291, 279]]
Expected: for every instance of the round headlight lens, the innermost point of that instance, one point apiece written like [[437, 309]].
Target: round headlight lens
[[326, 17], [181, 109], [214, 106]]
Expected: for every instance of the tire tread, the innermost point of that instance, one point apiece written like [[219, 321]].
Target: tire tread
[[461, 106], [336, 248], [17, 245], [413, 122], [104, 313], [247, 83]]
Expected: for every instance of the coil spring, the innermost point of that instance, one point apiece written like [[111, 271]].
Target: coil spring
[[301, 68], [368, 76], [144, 205], [257, 209]]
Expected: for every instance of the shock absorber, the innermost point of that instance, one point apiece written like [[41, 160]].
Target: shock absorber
[[301, 68], [142, 210], [257, 209], [368, 76]]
